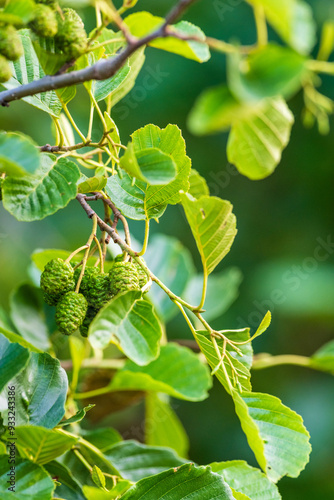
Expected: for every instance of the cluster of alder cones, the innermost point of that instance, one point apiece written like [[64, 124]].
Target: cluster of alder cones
[[77, 309], [64, 27]]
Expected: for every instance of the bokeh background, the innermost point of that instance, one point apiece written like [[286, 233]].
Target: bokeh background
[[281, 221]]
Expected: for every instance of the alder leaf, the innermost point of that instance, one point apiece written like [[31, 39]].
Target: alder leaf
[[18, 154], [269, 72], [142, 23], [323, 358], [26, 70], [246, 480], [138, 200], [167, 430], [276, 434], [293, 21], [213, 226], [52, 187], [43, 445], [31, 480], [172, 263], [241, 364], [255, 143], [181, 483], [42, 386], [13, 358], [190, 381], [137, 461], [150, 165], [130, 322], [197, 185]]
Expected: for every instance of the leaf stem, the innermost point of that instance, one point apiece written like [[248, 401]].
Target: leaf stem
[[84, 261], [78, 250], [205, 286], [262, 361], [74, 125], [146, 237], [261, 26]]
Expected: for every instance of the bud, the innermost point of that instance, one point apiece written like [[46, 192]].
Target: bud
[[45, 22]]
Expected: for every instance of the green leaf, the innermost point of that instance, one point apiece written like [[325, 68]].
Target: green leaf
[[215, 110], [51, 60], [31, 481], [137, 461], [21, 9], [80, 415], [149, 165], [256, 143], [18, 154], [92, 493], [172, 263], [27, 314], [136, 62], [28, 69], [241, 364], [323, 359], [275, 433], [13, 358], [113, 132], [43, 445], [42, 386], [293, 21], [198, 186], [162, 426], [103, 88], [50, 189], [68, 487], [191, 380], [98, 477], [17, 339], [185, 482], [268, 72], [142, 23], [78, 354], [90, 184], [246, 480], [130, 322], [213, 226], [222, 291], [148, 202]]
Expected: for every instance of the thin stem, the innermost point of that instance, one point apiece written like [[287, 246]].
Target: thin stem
[[78, 250], [74, 125], [90, 125], [92, 363], [261, 26], [93, 394], [205, 286], [100, 254], [89, 243], [82, 459], [186, 317], [266, 361], [146, 237], [321, 67]]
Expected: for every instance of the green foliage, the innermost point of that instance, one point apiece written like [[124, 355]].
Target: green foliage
[[124, 354], [51, 188]]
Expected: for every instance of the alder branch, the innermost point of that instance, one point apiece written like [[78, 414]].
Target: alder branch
[[102, 70]]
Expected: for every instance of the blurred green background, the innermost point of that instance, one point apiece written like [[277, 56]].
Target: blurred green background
[[281, 221]]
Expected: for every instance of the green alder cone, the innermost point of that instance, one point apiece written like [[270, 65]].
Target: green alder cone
[[123, 277], [50, 299], [57, 278], [50, 3], [90, 272], [95, 286], [70, 313], [90, 315], [71, 37], [45, 22], [10, 43], [5, 70]]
